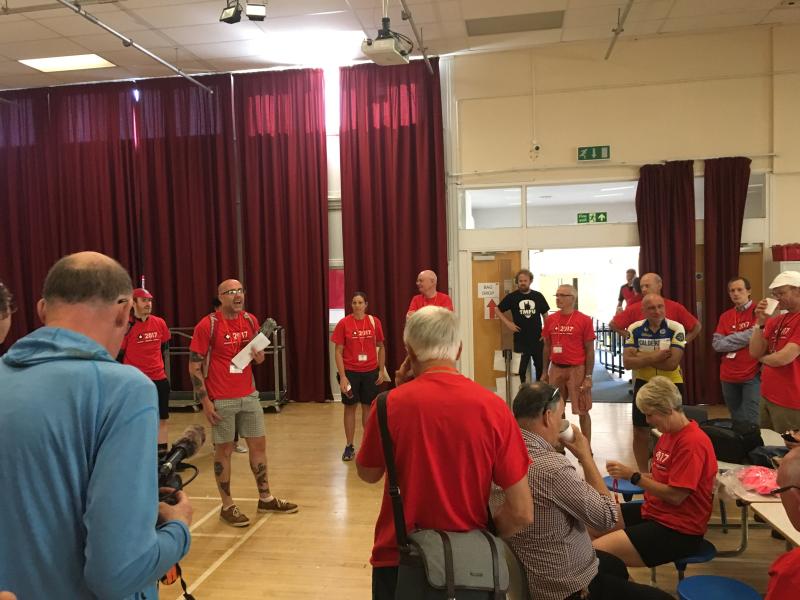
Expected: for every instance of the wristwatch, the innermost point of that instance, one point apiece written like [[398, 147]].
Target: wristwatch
[[588, 377], [635, 478]]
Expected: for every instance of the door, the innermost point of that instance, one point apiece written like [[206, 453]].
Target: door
[[491, 272]]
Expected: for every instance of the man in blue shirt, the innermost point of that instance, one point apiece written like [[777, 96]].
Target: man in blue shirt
[[79, 512]]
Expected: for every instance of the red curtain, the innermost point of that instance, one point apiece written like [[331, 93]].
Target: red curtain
[[393, 188], [26, 244], [726, 181], [666, 220], [282, 147]]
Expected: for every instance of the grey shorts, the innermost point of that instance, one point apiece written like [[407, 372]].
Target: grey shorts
[[238, 414]]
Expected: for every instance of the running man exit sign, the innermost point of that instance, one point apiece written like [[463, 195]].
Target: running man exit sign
[[594, 153]]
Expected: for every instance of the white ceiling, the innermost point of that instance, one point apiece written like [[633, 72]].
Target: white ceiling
[[188, 33]]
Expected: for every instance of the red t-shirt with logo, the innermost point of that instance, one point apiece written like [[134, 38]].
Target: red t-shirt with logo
[[359, 338], [781, 385], [784, 577], [684, 460], [741, 367], [418, 301], [675, 312], [142, 346], [452, 438], [568, 335], [230, 336]]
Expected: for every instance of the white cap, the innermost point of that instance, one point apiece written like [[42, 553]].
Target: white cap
[[786, 278]]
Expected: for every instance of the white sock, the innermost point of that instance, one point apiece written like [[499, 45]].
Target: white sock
[[269, 498]]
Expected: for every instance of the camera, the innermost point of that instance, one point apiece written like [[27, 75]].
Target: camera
[[171, 463]]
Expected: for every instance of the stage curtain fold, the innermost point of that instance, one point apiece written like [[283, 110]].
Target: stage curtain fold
[[726, 181], [283, 166], [393, 188], [666, 220]]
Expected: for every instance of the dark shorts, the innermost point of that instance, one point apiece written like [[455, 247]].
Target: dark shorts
[[639, 420], [656, 543], [162, 385], [363, 385]]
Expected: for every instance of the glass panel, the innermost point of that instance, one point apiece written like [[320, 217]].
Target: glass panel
[[561, 204], [493, 208], [755, 207]]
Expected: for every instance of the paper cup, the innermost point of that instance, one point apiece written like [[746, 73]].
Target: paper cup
[[567, 433], [772, 304]]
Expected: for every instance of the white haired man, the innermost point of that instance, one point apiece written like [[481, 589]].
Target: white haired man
[[445, 465]]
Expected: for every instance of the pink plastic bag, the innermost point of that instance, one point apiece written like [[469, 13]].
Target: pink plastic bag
[[758, 479]]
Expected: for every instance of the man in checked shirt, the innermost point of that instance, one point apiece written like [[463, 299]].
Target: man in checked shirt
[[556, 550]]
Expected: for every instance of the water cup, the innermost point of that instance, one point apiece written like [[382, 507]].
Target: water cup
[[772, 304], [566, 433]]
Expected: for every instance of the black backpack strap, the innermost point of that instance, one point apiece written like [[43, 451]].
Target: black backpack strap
[[449, 569], [495, 566], [391, 471]]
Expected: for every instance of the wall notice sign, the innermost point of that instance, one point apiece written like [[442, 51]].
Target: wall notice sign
[[594, 153], [595, 217], [489, 289]]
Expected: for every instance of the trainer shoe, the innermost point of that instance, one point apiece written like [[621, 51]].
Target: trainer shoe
[[234, 517], [276, 505], [240, 448], [349, 453]]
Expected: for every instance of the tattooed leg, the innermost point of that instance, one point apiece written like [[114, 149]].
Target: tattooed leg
[[258, 465], [222, 472]]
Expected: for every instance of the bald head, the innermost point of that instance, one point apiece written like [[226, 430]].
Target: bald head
[[426, 283], [650, 283], [86, 278], [231, 297], [654, 308], [789, 474]]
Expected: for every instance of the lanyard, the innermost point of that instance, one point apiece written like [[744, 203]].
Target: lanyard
[[235, 341], [776, 335], [360, 330], [441, 369], [561, 334]]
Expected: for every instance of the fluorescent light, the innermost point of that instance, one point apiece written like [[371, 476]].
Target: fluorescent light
[[606, 195], [76, 62], [327, 12], [614, 189]]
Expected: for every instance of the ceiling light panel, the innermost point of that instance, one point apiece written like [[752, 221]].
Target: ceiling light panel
[[75, 62]]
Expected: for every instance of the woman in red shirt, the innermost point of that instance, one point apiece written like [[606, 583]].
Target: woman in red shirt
[[360, 360], [678, 491]]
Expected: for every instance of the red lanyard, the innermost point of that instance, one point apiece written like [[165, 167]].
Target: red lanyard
[[561, 325], [441, 369], [234, 340], [359, 331], [776, 335]]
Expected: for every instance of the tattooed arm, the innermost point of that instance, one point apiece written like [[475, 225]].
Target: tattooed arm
[[199, 387]]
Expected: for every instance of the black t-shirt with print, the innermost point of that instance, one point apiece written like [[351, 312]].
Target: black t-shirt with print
[[528, 311]]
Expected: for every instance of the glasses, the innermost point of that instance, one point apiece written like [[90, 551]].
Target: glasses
[[232, 292], [564, 295], [785, 488], [123, 300]]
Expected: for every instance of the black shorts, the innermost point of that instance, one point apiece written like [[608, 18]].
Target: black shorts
[[162, 385], [657, 544], [363, 385], [639, 420]]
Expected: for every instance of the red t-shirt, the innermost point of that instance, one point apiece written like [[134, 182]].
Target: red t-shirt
[[230, 336], [452, 438], [675, 312], [784, 577], [684, 460], [741, 367], [418, 301], [568, 335], [359, 339], [781, 385], [629, 295], [142, 346]]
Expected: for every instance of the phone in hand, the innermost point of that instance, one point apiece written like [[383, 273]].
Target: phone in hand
[[789, 436]]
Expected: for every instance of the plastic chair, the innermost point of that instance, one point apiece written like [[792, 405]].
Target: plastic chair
[[706, 553], [624, 487], [714, 587]]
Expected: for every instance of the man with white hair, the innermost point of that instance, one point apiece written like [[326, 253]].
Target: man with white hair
[[776, 344], [452, 438], [428, 296], [569, 355], [784, 574]]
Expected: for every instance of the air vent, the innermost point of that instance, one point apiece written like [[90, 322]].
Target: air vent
[[516, 23]]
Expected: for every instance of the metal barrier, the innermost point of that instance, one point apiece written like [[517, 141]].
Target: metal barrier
[[609, 345]]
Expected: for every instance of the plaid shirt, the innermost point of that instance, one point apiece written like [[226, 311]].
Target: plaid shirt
[[556, 550]]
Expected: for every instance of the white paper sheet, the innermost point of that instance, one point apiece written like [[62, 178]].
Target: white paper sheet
[[241, 360]]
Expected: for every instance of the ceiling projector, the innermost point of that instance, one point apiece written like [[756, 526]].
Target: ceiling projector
[[386, 51]]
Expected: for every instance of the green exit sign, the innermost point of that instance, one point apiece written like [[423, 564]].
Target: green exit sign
[[594, 153], [593, 217]]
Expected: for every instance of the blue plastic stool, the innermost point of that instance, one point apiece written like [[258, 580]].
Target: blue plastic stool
[[714, 587], [706, 553], [624, 487]]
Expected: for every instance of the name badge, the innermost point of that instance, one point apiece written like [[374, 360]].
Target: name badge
[[234, 369], [557, 349], [730, 355], [362, 358]]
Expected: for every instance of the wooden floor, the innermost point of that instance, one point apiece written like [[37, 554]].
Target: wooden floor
[[323, 550]]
